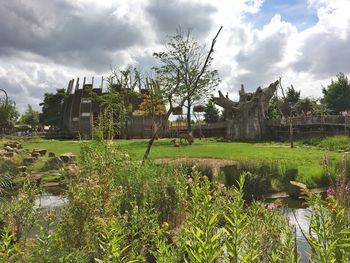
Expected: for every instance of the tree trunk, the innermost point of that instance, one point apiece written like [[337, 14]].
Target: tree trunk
[[189, 127], [246, 118]]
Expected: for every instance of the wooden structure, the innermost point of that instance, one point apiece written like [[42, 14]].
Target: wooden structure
[[309, 126], [80, 112], [246, 119]]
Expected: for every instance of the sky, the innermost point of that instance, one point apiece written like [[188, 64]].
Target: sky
[[44, 44]]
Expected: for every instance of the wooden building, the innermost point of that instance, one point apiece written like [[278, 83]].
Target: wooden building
[[80, 112]]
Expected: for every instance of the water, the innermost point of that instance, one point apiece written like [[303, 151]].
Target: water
[[295, 210], [297, 213]]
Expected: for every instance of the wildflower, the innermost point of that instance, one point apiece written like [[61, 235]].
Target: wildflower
[[330, 191], [165, 225], [325, 160], [347, 188], [271, 206], [190, 179]]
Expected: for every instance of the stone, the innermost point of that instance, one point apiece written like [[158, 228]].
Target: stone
[[9, 154], [42, 152], [35, 154], [52, 154], [53, 163], [295, 189], [29, 160], [13, 144], [8, 148], [68, 157], [22, 168]]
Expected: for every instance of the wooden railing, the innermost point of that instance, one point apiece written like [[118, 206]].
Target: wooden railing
[[335, 120]]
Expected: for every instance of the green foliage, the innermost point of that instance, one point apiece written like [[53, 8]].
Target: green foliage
[[211, 114], [329, 232], [180, 70], [331, 143], [30, 117], [8, 114], [153, 103], [52, 108], [337, 94]]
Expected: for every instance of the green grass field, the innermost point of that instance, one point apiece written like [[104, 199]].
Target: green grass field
[[307, 159]]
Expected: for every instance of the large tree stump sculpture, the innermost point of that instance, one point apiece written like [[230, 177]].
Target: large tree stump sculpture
[[246, 119]]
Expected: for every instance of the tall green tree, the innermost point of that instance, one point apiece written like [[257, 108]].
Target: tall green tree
[[8, 114], [337, 94], [211, 113], [184, 64], [52, 108], [30, 117]]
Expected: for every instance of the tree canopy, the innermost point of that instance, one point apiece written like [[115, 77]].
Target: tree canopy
[[52, 108], [184, 65], [211, 113], [8, 114], [30, 117], [337, 94]]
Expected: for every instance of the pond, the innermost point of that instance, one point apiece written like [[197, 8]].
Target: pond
[[298, 215], [295, 210]]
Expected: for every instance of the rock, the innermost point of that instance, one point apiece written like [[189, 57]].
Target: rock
[[42, 152], [54, 163], [9, 154], [22, 168], [13, 144], [295, 189], [68, 158], [52, 154], [8, 148], [29, 160], [35, 154], [176, 144]]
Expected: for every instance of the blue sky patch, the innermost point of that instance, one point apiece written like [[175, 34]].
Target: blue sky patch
[[296, 12]]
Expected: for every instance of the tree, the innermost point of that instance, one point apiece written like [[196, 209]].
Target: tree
[[8, 114], [306, 105], [30, 117], [182, 65], [285, 106], [211, 113], [337, 95], [52, 108], [171, 81]]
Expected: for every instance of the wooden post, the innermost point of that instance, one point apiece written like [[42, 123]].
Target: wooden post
[[291, 133]]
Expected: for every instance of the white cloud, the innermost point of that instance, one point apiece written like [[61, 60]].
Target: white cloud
[[43, 44]]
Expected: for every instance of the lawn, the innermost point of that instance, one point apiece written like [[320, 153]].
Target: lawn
[[307, 159]]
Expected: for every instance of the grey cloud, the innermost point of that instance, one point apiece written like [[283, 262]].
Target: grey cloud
[[324, 55], [65, 33], [167, 16]]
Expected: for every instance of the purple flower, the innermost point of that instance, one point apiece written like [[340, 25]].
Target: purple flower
[[325, 160], [347, 188], [271, 206], [190, 179], [330, 191]]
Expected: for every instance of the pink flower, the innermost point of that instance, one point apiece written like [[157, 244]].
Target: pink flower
[[190, 179], [330, 191], [325, 160], [271, 206], [347, 188]]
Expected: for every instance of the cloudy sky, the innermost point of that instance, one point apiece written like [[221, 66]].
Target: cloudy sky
[[44, 44]]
